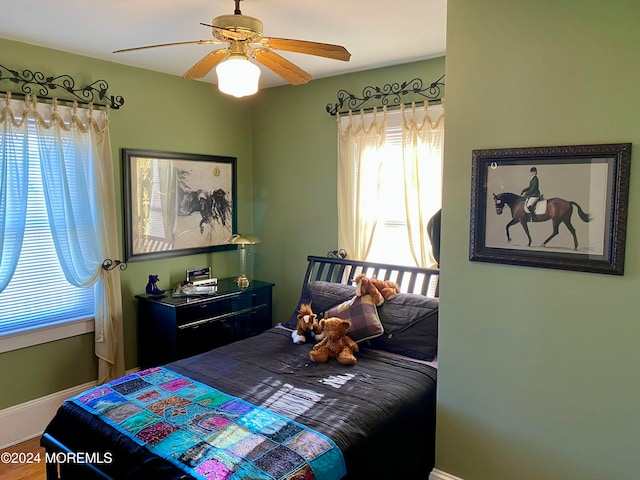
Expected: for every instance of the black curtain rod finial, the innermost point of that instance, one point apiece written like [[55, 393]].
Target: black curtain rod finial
[[109, 264]]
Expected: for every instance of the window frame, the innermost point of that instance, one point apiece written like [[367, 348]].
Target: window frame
[[18, 339]]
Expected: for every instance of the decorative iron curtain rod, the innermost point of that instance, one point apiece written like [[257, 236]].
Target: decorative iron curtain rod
[[37, 83], [389, 95]]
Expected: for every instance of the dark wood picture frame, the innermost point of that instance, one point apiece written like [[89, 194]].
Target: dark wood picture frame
[[591, 184], [177, 203]]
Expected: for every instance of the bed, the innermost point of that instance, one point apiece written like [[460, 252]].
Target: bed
[[267, 404]]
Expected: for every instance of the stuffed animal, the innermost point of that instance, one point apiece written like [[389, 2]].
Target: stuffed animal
[[364, 286], [152, 287], [387, 288], [336, 343], [307, 325], [380, 290]]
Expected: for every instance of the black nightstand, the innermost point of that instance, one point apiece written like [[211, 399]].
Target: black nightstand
[[173, 328]]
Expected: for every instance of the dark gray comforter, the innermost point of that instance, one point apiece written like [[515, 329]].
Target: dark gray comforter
[[380, 412]]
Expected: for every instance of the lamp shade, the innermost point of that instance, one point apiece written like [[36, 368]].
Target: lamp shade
[[237, 76], [242, 239]]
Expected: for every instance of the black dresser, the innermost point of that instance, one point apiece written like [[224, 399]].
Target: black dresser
[[173, 328]]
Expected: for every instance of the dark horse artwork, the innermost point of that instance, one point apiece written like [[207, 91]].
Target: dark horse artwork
[[214, 207], [558, 211]]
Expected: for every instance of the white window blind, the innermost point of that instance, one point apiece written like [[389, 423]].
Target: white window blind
[[38, 294]]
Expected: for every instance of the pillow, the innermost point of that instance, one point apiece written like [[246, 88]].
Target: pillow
[[410, 324], [363, 315], [321, 296], [325, 295]]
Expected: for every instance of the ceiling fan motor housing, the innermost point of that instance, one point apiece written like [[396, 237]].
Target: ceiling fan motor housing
[[243, 24]]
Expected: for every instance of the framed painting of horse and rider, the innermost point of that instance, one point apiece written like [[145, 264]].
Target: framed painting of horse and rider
[[552, 207], [177, 203]]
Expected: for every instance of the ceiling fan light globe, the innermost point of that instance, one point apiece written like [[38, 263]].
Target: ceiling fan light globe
[[237, 76]]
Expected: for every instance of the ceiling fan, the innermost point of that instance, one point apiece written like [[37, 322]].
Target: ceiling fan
[[244, 39]]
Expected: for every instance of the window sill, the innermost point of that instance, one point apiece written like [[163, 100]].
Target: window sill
[[50, 333]]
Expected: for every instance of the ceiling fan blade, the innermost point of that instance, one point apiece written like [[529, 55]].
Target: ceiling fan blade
[[327, 50], [283, 67], [228, 32], [194, 42], [207, 64]]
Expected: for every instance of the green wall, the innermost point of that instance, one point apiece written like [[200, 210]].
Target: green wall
[[539, 368], [161, 112]]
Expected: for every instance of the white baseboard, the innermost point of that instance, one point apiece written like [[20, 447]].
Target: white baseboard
[[440, 475], [27, 420]]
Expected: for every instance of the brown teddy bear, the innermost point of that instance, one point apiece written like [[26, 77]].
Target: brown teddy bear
[[336, 343], [307, 325], [380, 290]]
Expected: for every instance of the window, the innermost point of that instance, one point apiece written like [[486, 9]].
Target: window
[[38, 294], [390, 242]]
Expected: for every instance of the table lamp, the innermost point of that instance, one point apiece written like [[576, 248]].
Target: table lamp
[[243, 239]]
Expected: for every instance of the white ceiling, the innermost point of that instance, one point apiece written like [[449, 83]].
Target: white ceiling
[[377, 33]]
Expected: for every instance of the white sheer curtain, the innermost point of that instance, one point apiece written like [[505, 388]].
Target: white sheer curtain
[[423, 148], [14, 178], [410, 142], [76, 163], [360, 142]]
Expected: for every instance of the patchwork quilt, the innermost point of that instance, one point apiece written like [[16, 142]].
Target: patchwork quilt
[[209, 434]]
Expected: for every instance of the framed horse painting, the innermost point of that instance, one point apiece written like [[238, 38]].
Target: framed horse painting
[[177, 203], [551, 207]]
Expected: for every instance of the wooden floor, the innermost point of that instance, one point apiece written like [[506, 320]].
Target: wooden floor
[[29, 469]]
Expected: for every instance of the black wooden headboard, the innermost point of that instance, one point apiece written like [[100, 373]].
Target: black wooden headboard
[[423, 281]]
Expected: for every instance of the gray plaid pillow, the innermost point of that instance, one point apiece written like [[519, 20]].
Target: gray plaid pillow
[[363, 315]]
